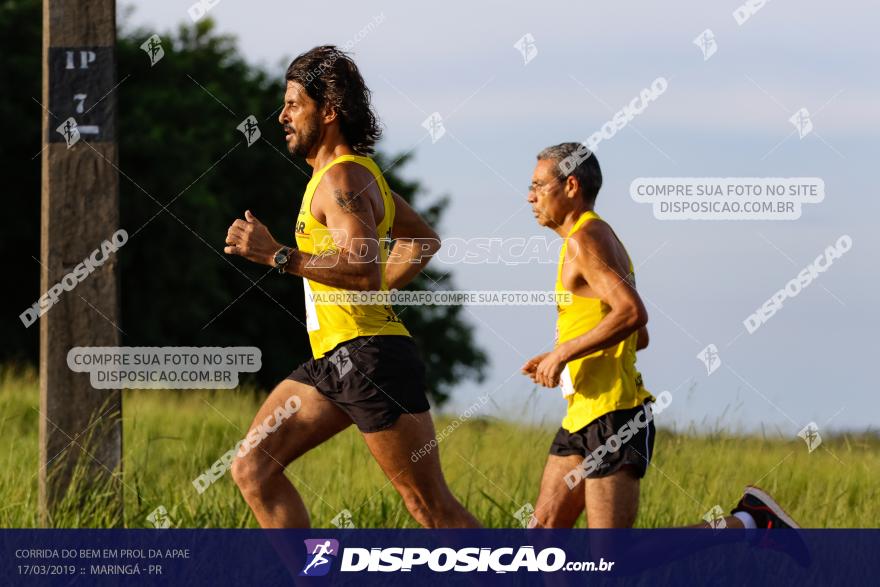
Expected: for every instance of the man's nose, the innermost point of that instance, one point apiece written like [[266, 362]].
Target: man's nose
[[282, 118]]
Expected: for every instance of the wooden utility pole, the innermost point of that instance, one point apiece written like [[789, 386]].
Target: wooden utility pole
[[80, 209]]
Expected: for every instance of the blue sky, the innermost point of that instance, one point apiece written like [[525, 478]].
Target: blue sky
[[727, 116]]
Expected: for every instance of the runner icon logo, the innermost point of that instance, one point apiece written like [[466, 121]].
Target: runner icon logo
[[320, 555]]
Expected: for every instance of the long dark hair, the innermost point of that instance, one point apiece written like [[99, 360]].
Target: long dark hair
[[329, 76]]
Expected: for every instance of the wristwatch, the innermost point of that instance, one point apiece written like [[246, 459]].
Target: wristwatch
[[282, 258]]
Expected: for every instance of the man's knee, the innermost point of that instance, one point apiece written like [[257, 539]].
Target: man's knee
[[251, 472], [428, 506], [243, 471]]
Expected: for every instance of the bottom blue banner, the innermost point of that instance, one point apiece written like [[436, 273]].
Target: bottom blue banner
[[511, 557]]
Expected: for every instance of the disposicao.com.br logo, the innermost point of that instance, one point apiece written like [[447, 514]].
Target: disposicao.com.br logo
[[441, 560]]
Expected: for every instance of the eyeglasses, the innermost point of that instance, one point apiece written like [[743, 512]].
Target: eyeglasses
[[535, 186]]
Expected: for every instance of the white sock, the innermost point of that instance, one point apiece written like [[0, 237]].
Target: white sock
[[747, 520]]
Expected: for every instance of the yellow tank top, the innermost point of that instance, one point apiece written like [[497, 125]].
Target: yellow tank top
[[606, 380], [330, 325]]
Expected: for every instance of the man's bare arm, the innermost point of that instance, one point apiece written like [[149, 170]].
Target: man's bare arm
[[594, 257], [595, 261], [415, 242], [344, 198]]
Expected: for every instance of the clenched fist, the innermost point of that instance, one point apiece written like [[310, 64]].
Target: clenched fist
[[249, 238]]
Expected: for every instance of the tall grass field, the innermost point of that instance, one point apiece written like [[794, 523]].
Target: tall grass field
[[492, 466]]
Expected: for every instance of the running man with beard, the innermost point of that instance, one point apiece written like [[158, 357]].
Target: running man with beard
[[365, 367], [606, 441]]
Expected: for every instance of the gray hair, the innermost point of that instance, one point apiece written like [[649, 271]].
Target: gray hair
[[577, 160]]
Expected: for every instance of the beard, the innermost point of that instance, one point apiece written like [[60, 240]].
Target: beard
[[305, 138]]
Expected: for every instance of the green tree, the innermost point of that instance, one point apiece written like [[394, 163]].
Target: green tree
[[186, 174], [20, 112]]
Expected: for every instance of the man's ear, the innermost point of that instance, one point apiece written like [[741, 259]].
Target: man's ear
[[328, 113], [571, 187]]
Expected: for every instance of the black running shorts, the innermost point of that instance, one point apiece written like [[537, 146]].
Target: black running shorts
[[373, 379], [622, 437]]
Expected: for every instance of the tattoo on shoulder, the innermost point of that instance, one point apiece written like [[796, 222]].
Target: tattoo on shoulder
[[349, 201]]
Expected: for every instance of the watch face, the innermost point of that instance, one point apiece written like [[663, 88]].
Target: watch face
[[281, 257]]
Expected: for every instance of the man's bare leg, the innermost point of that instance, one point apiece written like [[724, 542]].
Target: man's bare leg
[[260, 474], [557, 505], [421, 483], [613, 501]]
